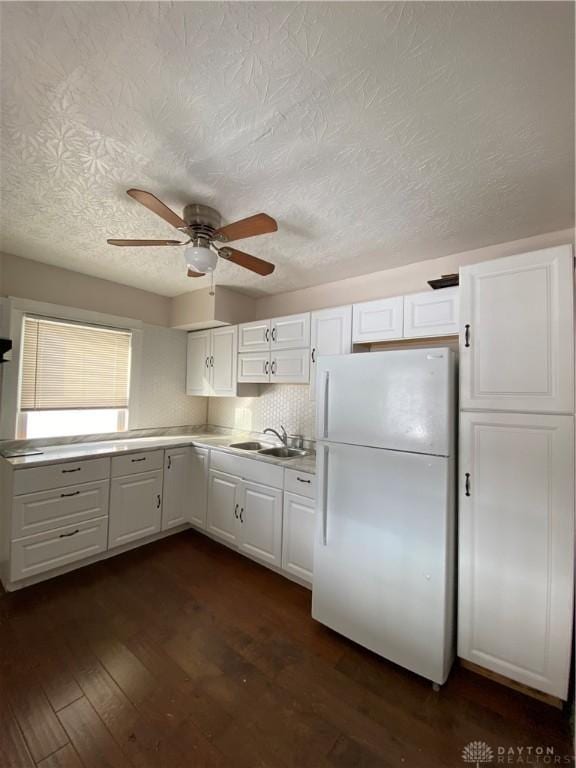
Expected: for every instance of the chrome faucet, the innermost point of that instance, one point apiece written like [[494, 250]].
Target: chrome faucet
[[282, 437]]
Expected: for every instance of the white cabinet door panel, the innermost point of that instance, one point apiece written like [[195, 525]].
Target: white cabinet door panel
[[254, 337], [199, 486], [135, 507], [57, 548], [260, 527], [517, 335], [433, 313], [517, 546], [330, 334], [291, 366], [298, 536], [223, 505], [43, 511], [177, 487], [198, 363], [223, 361], [254, 367], [379, 320], [290, 332]]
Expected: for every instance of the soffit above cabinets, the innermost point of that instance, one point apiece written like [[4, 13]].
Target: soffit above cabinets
[[378, 134]]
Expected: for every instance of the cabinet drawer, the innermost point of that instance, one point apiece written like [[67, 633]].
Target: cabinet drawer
[[54, 549], [36, 512], [247, 469], [137, 462], [60, 475], [301, 483]]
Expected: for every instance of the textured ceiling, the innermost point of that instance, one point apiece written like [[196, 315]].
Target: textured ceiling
[[377, 134]]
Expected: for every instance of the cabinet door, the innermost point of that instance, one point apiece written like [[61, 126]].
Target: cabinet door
[[135, 507], [516, 543], [254, 367], [290, 366], [290, 332], [433, 313], [198, 363], [260, 530], [199, 487], [379, 320], [223, 506], [177, 487], [330, 334], [223, 361], [254, 337], [516, 333], [298, 536]]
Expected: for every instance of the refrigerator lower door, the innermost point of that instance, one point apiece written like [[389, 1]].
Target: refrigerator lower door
[[384, 554], [403, 400]]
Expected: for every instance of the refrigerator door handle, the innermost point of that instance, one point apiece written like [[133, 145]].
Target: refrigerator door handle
[[323, 500], [324, 404]]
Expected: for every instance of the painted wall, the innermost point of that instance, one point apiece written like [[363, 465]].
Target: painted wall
[[27, 279], [395, 282]]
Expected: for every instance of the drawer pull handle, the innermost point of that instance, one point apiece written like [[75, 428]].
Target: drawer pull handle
[[66, 471], [141, 459], [72, 533], [301, 480], [158, 501], [74, 493]]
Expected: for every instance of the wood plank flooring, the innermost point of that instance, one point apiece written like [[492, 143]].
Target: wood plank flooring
[[183, 654]]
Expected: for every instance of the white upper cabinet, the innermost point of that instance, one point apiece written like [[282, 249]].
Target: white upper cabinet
[[517, 333], [380, 320], [254, 367], [432, 313], [212, 362], [290, 332], [198, 363], [290, 366], [254, 337], [223, 361], [516, 542], [330, 334]]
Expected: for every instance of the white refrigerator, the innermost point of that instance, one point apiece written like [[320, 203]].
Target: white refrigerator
[[384, 553]]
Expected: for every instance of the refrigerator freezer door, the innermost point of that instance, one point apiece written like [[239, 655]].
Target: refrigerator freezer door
[[402, 400], [384, 554]]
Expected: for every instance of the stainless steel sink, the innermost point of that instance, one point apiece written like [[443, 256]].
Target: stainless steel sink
[[248, 446], [281, 452]]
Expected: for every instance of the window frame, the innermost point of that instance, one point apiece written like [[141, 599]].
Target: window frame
[[12, 315]]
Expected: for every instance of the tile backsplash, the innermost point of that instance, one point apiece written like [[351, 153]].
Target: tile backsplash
[[287, 404]]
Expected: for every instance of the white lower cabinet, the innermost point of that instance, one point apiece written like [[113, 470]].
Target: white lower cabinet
[[177, 487], [260, 518], [516, 546], [223, 505], [135, 507], [298, 536], [199, 487], [57, 548]]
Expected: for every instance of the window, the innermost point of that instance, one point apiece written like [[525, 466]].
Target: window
[[74, 379]]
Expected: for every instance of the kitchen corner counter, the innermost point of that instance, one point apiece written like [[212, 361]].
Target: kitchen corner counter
[[53, 454]]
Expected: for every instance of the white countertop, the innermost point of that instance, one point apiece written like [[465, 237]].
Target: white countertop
[[53, 454]]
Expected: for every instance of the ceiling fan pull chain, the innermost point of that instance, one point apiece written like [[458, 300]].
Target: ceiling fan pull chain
[[211, 283]]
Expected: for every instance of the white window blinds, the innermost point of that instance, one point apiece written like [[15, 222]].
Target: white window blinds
[[71, 366]]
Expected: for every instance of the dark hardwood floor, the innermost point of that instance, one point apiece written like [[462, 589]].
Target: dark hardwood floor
[[184, 654]]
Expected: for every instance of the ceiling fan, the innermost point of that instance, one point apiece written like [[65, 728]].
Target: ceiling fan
[[203, 227]]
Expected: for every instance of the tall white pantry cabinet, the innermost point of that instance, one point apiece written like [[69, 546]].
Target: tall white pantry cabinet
[[516, 505]]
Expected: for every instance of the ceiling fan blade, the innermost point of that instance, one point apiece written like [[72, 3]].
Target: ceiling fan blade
[[247, 261], [191, 273], [144, 242], [260, 224], [151, 202]]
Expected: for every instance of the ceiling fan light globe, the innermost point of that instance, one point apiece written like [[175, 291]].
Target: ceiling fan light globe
[[201, 258]]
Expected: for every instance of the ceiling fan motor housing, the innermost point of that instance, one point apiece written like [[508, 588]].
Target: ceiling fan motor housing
[[201, 220]]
